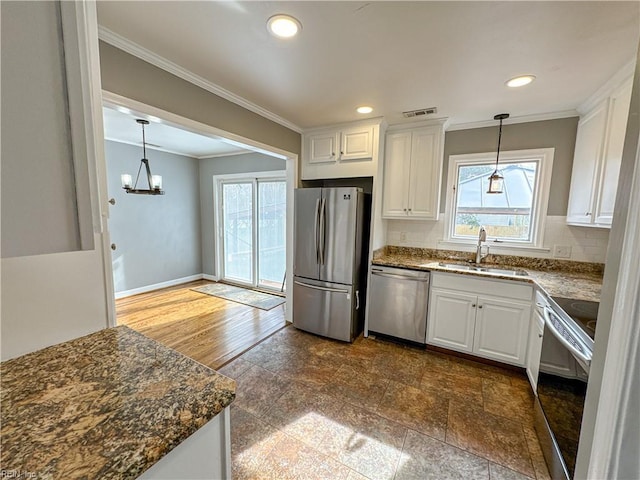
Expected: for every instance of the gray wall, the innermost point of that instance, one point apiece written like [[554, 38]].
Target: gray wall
[[250, 162], [39, 201], [133, 78], [157, 237], [559, 134]]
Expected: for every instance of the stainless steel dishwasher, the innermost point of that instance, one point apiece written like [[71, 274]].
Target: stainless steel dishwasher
[[398, 303]]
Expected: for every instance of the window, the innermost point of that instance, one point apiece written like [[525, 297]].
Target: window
[[514, 217]]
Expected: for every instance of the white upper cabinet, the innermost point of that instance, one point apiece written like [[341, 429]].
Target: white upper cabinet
[[341, 151], [413, 173], [596, 162], [323, 147], [619, 103], [356, 143]]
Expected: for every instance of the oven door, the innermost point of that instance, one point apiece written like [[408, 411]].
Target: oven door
[[562, 386]]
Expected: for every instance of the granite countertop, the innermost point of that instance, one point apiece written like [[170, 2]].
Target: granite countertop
[[108, 405], [557, 278]]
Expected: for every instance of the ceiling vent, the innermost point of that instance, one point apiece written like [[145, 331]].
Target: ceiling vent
[[421, 112]]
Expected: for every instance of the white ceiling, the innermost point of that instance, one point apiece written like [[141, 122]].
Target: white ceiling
[[122, 127], [395, 56]]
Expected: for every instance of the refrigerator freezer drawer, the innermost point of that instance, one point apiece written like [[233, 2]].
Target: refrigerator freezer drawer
[[398, 303], [324, 308]]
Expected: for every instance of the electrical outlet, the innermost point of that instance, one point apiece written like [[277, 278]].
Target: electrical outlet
[[403, 237], [561, 251]]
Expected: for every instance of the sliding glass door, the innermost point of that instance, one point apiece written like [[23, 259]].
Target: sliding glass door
[[253, 217]]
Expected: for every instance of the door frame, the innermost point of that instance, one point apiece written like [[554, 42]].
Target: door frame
[[218, 223], [113, 100]]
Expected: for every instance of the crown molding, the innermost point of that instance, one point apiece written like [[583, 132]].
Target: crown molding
[[538, 117], [609, 86], [148, 56]]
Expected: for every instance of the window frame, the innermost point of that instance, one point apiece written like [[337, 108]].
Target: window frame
[[248, 177], [544, 158]]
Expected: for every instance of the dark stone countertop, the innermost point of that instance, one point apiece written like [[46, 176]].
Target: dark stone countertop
[[557, 278], [105, 406]]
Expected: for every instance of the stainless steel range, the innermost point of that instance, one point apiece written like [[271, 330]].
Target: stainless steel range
[[562, 380]]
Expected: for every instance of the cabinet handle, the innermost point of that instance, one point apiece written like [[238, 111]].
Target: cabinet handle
[[333, 154], [112, 201], [588, 213], [341, 153], [473, 305], [479, 306], [405, 209], [409, 209], [540, 335]]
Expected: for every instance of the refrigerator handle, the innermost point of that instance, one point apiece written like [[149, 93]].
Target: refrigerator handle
[[357, 300], [315, 229], [322, 228], [324, 289]]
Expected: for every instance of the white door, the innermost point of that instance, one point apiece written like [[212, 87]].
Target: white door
[[396, 175], [356, 143], [323, 147], [425, 167], [452, 317], [586, 159], [616, 130], [253, 218], [501, 329]]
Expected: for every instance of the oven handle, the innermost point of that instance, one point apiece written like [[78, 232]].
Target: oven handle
[[577, 353]]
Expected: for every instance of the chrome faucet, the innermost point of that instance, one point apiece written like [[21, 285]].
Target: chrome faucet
[[482, 237]]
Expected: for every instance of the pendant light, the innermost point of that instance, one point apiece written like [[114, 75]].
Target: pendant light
[[496, 180], [154, 181]]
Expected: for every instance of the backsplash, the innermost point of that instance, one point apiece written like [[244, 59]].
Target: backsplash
[[587, 244]]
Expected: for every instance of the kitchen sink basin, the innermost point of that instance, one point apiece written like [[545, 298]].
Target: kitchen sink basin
[[484, 269]]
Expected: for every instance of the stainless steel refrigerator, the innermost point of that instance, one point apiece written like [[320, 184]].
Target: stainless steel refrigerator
[[328, 249]]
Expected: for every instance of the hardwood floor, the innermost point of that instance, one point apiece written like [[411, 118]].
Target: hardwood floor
[[211, 330]]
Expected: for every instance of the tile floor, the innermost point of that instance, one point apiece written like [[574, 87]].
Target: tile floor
[[313, 408]]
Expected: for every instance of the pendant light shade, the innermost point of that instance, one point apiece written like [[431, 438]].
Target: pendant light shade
[[496, 180], [154, 181]]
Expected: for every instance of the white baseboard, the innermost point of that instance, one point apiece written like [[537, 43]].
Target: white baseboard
[[158, 286], [213, 278]]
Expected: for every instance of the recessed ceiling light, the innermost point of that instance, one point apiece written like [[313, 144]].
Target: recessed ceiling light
[[283, 26], [520, 81], [364, 109]]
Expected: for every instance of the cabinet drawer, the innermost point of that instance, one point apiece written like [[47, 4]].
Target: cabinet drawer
[[513, 290]]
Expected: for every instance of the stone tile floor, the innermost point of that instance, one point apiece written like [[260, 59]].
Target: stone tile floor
[[313, 408]]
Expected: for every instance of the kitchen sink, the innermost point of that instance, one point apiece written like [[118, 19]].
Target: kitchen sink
[[484, 269]]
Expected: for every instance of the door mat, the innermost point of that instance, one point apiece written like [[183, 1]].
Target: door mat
[[263, 301]]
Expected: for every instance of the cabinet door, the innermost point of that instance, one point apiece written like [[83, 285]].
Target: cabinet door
[[424, 183], [588, 152], [614, 142], [452, 317], [534, 349], [396, 175], [323, 147], [356, 143], [502, 329]]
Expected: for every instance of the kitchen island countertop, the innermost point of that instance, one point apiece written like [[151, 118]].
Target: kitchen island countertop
[[107, 405], [574, 280]]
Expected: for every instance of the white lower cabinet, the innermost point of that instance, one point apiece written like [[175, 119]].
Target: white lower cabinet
[[457, 314], [487, 318], [534, 349]]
